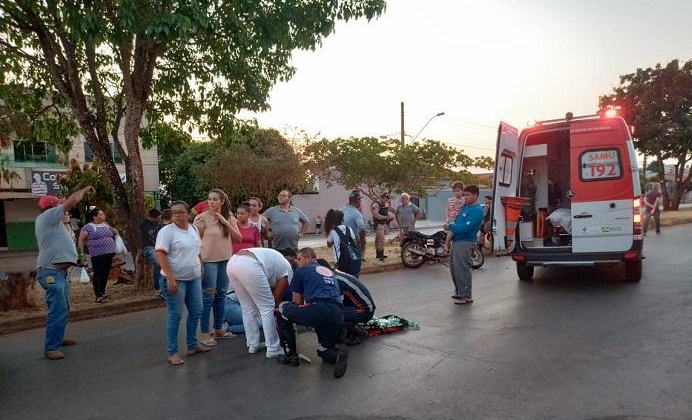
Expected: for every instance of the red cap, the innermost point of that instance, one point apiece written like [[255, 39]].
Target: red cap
[[201, 207], [48, 201]]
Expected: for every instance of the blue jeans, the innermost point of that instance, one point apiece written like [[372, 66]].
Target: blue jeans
[[214, 286], [233, 315], [150, 255], [57, 287], [189, 294]]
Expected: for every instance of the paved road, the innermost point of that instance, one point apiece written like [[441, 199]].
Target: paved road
[[574, 344]]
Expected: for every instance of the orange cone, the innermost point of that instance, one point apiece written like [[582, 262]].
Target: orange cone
[[513, 206]]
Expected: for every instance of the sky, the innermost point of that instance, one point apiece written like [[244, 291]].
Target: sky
[[479, 62]]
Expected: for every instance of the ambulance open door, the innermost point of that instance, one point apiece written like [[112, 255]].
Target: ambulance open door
[[505, 183]]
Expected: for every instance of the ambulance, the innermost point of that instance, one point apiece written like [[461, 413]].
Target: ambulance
[[567, 193]]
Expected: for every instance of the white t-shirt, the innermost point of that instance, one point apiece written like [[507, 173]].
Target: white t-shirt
[[335, 240], [273, 263], [183, 248]]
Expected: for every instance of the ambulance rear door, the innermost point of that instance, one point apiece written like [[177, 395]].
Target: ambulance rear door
[[506, 182], [602, 186]]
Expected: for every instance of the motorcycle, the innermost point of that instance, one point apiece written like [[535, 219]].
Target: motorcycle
[[417, 248]]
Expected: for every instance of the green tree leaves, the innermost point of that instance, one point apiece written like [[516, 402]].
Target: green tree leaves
[[376, 165], [658, 102]]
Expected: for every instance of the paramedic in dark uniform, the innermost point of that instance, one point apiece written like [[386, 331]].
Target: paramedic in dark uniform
[[316, 303], [359, 306]]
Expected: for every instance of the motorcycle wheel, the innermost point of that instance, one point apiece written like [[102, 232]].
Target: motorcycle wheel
[[477, 258], [411, 255]]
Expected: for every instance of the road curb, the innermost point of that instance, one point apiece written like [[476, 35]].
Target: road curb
[[123, 307], [109, 309]]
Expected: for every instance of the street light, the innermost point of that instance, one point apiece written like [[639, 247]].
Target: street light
[[439, 114]]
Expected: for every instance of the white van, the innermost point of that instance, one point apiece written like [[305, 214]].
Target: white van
[[578, 177]]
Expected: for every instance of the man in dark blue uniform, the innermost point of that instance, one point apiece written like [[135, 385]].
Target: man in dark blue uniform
[[316, 302], [359, 306]]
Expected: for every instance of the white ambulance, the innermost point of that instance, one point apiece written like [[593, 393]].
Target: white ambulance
[[567, 193]]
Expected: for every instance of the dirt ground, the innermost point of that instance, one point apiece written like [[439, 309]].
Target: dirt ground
[[82, 295]]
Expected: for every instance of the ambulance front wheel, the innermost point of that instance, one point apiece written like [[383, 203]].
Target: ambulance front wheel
[[524, 271], [633, 271]]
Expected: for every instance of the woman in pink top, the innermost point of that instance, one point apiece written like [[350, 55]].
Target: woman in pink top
[[249, 234], [218, 229]]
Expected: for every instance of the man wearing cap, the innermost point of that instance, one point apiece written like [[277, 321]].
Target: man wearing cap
[[381, 215], [353, 218], [56, 253]]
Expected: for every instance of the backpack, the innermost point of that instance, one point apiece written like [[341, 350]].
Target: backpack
[[349, 253]]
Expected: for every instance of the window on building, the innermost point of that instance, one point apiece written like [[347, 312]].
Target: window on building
[[34, 152], [89, 153]]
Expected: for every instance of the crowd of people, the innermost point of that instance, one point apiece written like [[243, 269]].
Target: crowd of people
[[244, 273]]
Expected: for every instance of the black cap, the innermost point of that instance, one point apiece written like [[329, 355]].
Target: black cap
[[488, 197], [355, 195]]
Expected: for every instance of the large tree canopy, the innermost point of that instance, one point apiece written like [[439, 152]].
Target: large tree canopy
[[198, 61], [376, 165], [257, 166], [658, 102]]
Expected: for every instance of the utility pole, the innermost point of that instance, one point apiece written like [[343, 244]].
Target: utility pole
[[402, 122]]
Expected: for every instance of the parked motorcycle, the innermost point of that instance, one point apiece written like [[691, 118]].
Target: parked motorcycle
[[417, 248]]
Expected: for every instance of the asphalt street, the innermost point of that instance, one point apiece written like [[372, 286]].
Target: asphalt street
[[573, 344]]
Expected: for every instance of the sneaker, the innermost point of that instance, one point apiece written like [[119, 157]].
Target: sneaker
[[257, 348], [54, 354], [273, 354], [288, 360], [341, 361]]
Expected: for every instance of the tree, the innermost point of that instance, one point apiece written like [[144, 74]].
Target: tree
[[199, 62], [260, 166], [658, 102], [376, 165]]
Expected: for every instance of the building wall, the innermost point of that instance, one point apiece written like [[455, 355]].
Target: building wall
[[20, 208], [20, 214]]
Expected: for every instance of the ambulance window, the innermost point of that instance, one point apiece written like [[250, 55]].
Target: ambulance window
[[504, 169], [600, 164]]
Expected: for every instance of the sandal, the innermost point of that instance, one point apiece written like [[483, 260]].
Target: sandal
[[175, 360], [101, 299], [463, 301], [224, 335], [198, 349]]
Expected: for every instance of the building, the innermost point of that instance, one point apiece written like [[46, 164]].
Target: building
[[38, 166]]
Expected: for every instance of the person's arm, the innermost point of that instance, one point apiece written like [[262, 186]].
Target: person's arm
[[232, 224], [76, 197], [297, 298], [83, 236], [396, 215], [257, 240], [199, 224], [375, 209], [280, 289], [162, 259]]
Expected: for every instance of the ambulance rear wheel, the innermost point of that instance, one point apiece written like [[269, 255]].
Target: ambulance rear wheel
[[524, 271], [633, 271]]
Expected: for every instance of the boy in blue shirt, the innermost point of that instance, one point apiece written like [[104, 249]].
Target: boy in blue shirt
[[465, 229]]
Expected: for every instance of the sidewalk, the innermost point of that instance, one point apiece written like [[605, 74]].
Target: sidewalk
[[26, 260]]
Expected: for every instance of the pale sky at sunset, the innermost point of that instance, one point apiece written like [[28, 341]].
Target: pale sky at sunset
[[478, 61]]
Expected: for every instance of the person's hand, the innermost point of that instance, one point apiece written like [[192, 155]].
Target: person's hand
[[172, 285], [89, 190]]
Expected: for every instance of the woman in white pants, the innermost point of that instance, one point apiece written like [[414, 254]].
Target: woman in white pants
[[260, 277]]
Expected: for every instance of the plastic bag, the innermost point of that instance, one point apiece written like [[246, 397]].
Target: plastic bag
[[120, 245], [84, 276]]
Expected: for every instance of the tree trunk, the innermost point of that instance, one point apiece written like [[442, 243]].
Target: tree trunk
[[144, 274]]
